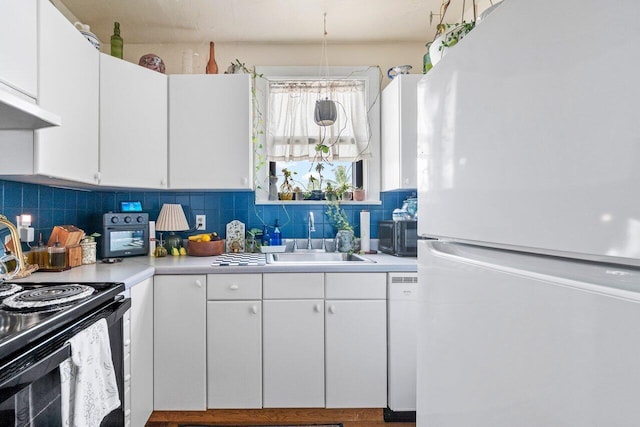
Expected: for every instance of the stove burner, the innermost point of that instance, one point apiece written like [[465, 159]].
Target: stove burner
[[9, 289], [48, 296]]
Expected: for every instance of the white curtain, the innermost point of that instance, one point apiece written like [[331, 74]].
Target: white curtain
[[292, 133]]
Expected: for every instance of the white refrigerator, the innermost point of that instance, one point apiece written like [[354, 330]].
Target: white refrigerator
[[529, 182]]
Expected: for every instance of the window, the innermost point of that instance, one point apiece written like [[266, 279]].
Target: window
[[348, 149], [292, 133]]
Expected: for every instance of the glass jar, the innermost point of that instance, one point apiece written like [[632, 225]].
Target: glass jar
[[57, 257], [88, 252]]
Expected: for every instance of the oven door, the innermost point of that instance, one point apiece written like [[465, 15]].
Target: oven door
[[30, 382], [123, 240]]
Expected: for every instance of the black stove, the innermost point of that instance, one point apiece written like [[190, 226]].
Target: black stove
[[30, 311], [36, 322]]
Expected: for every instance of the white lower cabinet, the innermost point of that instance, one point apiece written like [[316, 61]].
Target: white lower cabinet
[[141, 353], [234, 341], [293, 336], [180, 372], [356, 340]]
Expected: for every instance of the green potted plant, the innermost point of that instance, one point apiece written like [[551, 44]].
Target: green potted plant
[[299, 193], [286, 188], [345, 238], [330, 193], [344, 192]]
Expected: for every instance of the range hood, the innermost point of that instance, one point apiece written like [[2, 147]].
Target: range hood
[[16, 114]]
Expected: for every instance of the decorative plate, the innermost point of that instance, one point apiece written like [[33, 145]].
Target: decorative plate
[[235, 236]]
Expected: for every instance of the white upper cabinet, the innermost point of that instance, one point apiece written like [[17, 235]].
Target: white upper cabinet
[[19, 68], [68, 85], [133, 125], [210, 132], [19, 46], [399, 133]]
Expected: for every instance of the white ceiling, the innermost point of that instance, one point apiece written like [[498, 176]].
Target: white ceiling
[[267, 21]]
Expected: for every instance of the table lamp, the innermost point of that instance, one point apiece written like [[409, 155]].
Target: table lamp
[[172, 219]]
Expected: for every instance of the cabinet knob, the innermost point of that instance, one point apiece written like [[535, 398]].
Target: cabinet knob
[[317, 308], [198, 283], [332, 309], [163, 181], [245, 181], [254, 309], [233, 287]]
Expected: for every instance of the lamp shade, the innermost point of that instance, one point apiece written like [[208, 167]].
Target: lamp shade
[[325, 113], [172, 218]]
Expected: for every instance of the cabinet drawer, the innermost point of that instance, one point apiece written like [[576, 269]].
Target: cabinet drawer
[[234, 286], [356, 285], [293, 285]]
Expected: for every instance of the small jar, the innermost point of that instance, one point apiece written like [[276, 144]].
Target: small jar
[[88, 252], [57, 257], [38, 255]]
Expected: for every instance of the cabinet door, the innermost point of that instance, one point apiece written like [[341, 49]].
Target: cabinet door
[[356, 354], [141, 342], [210, 132], [293, 360], [19, 46], [399, 133], [133, 125], [234, 354], [68, 85], [179, 370]]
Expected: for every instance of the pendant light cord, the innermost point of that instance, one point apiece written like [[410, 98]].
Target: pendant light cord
[[324, 60]]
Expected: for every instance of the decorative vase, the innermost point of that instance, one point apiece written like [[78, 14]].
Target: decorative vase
[[152, 62], [347, 195], [212, 67], [358, 195], [285, 195], [299, 195], [345, 241]]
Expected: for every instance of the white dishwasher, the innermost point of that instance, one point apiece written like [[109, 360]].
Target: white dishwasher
[[402, 326]]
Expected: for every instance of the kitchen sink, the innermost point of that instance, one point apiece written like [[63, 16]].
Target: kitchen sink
[[314, 257]]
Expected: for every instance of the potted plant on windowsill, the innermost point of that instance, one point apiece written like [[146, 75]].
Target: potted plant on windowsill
[[359, 194], [286, 188], [330, 193], [344, 192], [299, 193]]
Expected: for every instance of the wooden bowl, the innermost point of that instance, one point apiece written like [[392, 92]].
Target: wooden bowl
[[215, 247]]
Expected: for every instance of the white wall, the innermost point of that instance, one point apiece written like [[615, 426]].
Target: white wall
[[386, 55]]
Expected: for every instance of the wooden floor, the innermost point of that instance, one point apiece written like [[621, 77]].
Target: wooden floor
[[348, 417]]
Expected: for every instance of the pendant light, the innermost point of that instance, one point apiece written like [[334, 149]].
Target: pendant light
[[325, 113]]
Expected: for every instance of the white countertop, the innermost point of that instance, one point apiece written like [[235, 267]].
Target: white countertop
[[135, 269]]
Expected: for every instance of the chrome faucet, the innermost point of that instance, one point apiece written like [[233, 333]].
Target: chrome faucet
[[311, 228]]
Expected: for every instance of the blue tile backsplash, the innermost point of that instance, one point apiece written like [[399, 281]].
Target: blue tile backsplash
[[51, 206]]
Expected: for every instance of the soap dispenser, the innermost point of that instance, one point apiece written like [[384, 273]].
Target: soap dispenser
[[276, 237]]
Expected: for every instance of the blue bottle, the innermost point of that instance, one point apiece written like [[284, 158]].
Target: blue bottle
[[265, 236], [276, 237]]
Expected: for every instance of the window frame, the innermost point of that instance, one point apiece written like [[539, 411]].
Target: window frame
[[371, 76]]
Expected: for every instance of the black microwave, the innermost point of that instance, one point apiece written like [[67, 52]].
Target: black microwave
[[399, 238]]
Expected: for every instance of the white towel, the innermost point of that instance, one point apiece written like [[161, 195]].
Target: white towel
[[87, 379]]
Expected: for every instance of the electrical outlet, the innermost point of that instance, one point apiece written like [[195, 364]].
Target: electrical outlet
[[201, 222]]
